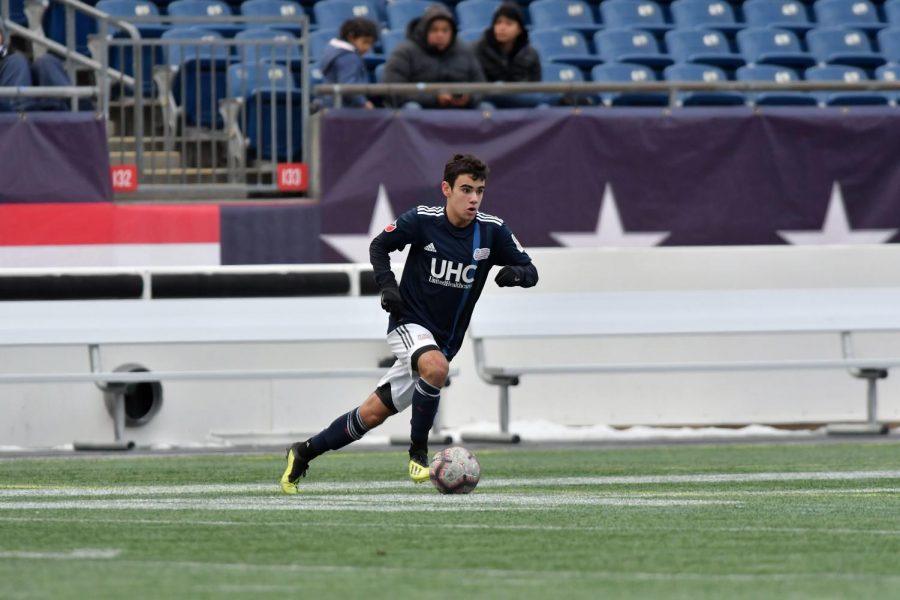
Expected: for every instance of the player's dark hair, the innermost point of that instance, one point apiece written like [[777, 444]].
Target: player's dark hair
[[465, 164], [358, 27]]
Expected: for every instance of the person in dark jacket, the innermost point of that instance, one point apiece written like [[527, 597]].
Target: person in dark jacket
[[431, 53], [506, 55], [17, 71], [342, 61]]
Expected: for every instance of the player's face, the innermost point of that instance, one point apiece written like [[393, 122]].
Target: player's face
[[463, 199]]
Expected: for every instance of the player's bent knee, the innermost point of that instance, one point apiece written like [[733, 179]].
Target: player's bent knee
[[434, 368], [373, 412]]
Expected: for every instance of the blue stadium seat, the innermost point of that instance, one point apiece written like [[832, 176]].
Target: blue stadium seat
[[475, 14], [401, 12], [711, 14], [778, 75], [318, 41], [200, 76], [562, 45], [623, 73], [562, 73], [773, 46], [279, 10], [889, 72], [122, 57], [708, 73], [848, 74], [889, 43], [267, 52], [782, 14], [630, 46], [470, 36], [331, 14], [634, 14], [704, 46], [206, 8], [55, 26], [892, 12], [860, 14], [268, 93], [837, 45], [564, 14], [133, 8]]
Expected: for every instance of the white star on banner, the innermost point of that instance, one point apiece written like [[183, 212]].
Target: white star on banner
[[836, 228], [609, 230], [355, 246]]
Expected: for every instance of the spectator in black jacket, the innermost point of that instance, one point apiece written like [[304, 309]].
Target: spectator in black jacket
[[432, 54], [506, 55]]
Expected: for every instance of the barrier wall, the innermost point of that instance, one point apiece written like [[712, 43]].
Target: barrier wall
[[276, 411]]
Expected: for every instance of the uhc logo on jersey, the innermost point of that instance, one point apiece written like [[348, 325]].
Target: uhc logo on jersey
[[391, 227], [452, 274]]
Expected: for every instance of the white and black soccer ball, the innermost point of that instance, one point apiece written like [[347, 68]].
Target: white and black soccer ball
[[455, 470]]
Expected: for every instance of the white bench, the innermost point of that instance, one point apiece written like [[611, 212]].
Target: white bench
[[94, 324], [530, 315]]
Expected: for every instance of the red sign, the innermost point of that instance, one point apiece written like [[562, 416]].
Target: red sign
[[124, 178], [292, 177]]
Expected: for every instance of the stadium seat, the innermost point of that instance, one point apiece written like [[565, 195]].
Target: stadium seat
[[630, 46], [268, 94], [778, 75], [279, 10], [860, 14], [710, 14], [892, 12], [708, 73], [704, 46], [470, 36], [889, 72], [837, 45], [401, 12], [122, 57], [889, 43], [475, 14], [562, 45], [623, 73], [773, 46], [267, 52], [318, 41], [562, 73], [781, 14], [133, 8], [848, 74], [331, 14], [206, 8], [563, 14], [390, 39], [634, 14], [199, 74]]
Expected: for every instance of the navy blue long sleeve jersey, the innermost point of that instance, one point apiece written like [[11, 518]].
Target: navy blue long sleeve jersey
[[446, 268]]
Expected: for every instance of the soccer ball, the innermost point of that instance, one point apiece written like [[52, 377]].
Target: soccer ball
[[455, 470]]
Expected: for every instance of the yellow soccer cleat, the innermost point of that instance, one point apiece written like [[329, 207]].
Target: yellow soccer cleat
[[418, 468], [296, 468]]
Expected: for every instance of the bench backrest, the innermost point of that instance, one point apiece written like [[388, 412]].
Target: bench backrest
[[192, 321], [532, 314]]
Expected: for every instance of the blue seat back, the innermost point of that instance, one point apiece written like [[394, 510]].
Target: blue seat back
[[621, 72], [624, 14], [401, 12], [790, 14], [277, 9], [703, 13], [772, 45], [560, 73], [318, 41], [892, 12], [331, 14], [547, 14], [269, 94], [767, 73], [262, 51], [558, 42], [199, 8], [193, 46], [846, 13], [475, 14], [390, 39], [889, 43], [836, 73], [615, 44], [684, 44], [827, 44]]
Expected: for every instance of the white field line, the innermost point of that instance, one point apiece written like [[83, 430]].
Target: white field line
[[612, 527], [43, 491], [362, 503], [77, 554]]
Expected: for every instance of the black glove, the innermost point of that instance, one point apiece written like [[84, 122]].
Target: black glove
[[391, 300], [509, 277]]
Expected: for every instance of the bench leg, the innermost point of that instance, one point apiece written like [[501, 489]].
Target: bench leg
[[871, 426], [503, 435], [117, 391]]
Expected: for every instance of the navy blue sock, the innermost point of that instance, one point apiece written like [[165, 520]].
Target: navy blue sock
[[347, 428], [425, 402]]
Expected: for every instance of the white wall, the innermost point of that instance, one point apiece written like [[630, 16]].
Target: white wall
[[49, 415]]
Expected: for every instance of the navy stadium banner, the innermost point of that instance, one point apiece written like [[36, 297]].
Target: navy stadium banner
[[617, 177], [54, 157]]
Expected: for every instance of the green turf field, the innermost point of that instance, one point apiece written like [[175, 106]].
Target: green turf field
[[717, 521]]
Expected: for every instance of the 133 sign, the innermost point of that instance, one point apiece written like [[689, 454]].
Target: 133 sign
[[292, 177]]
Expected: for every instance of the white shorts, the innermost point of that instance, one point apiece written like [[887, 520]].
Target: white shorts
[[407, 342]]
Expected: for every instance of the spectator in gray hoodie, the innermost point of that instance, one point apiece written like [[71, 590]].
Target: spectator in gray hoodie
[[431, 53]]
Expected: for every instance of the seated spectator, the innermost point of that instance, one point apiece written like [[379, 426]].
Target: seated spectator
[[15, 71], [432, 54], [506, 55], [342, 61]]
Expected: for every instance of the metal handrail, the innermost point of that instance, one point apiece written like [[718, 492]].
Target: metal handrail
[[59, 91]]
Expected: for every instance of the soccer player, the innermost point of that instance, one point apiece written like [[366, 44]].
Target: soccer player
[[452, 250]]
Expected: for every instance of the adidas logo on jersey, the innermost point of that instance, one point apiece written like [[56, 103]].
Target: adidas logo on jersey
[[430, 247]]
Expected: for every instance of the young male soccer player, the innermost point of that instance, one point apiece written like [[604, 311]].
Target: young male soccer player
[[452, 249]]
